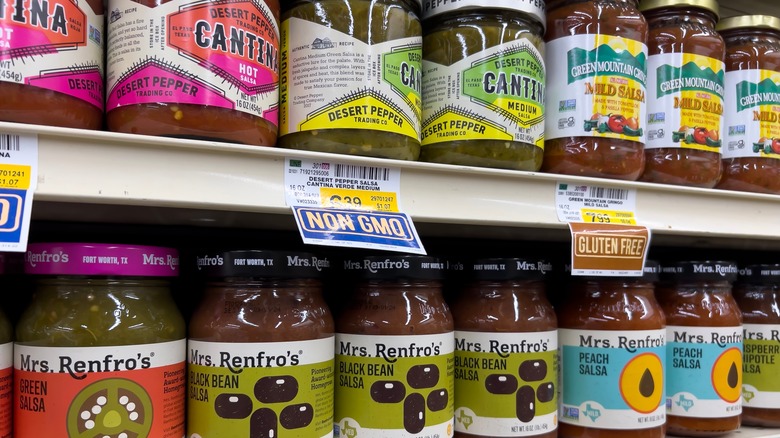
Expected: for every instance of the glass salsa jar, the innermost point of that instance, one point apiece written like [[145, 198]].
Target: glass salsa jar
[[395, 348], [756, 293], [6, 375], [351, 77], [502, 318], [263, 328], [612, 337], [493, 59], [704, 349], [751, 155], [685, 93], [189, 69], [596, 87], [103, 333], [51, 63]]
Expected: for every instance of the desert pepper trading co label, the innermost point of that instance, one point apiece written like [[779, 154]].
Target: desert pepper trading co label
[[394, 386], [96, 391], [56, 45], [505, 383], [273, 389], [596, 87], [336, 81], [752, 99], [496, 94], [760, 386], [223, 54], [613, 379], [685, 102], [349, 205], [704, 371]]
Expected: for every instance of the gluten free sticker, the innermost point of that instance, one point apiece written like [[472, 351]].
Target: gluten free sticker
[[608, 249]]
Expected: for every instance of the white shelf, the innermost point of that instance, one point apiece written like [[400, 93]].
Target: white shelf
[[751, 432], [87, 176]]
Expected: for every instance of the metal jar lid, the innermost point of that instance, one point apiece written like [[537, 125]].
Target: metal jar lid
[[749, 21], [710, 5]]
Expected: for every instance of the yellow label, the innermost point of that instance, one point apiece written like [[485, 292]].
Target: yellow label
[[453, 124], [13, 176], [361, 110], [359, 199], [608, 216]]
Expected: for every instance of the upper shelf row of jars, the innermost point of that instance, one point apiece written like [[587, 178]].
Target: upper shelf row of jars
[[657, 90]]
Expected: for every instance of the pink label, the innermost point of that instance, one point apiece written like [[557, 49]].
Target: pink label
[[53, 44], [100, 259], [222, 53], [86, 84], [152, 81]]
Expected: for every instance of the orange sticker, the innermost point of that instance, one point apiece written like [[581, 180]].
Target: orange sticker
[[608, 249]]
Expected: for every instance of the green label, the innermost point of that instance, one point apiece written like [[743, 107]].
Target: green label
[[392, 386], [605, 60], [751, 95], [689, 77], [403, 71], [506, 383], [279, 389], [761, 366]]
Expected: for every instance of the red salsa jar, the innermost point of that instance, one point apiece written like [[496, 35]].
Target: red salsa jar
[[596, 87]]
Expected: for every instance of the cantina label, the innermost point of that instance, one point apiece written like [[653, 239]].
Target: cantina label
[[751, 102], [596, 87], [496, 94], [56, 45]]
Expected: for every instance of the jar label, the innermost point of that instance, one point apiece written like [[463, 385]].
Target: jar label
[[223, 54], [394, 386], [496, 94], [336, 81], [752, 108], [760, 385], [685, 102], [96, 391], [260, 389], [56, 45], [505, 383], [596, 87], [6, 389], [613, 379], [704, 371]]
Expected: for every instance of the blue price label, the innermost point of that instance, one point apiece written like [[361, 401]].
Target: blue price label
[[11, 210]]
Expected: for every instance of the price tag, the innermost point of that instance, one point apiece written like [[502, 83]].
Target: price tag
[[349, 205], [594, 204], [606, 240], [18, 180]]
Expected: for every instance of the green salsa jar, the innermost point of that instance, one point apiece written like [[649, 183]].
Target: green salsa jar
[[103, 332], [483, 84], [6, 362], [350, 77]]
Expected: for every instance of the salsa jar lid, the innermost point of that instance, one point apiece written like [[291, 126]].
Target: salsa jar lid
[[749, 22], [509, 268], [760, 273], [534, 8], [101, 259], [707, 270], [396, 267], [710, 5], [261, 263]]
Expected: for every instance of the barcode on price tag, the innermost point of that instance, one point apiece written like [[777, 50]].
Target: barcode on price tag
[[362, 172], [9, 142], [595, 204]]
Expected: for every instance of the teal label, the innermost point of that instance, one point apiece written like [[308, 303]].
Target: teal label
[[704, 369], [751, 94], [394, 386], [604, 60], [689, 77], [613, 379]]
